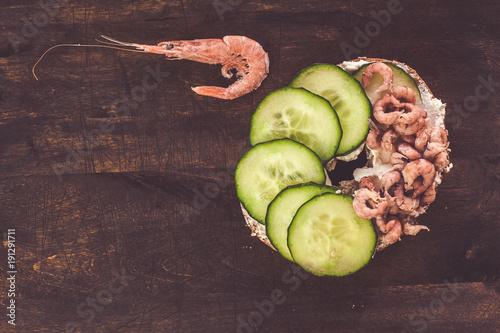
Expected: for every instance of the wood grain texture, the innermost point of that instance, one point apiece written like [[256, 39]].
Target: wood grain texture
[[121, 205]]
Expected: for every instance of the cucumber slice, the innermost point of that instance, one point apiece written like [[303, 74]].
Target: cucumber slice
[[271, 166], [326, 236], [347, 97], [282, 209], [300, 115], [399, 78]]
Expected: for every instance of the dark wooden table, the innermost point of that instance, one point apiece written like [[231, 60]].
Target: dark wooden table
[[125, 216]]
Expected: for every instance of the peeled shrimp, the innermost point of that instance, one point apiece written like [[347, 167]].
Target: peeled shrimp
[[438, 143], [398, 160], [409, 139], [409, 129], [378, 68], [373, 139], [407, 150], [412, 229], [441, 161], [389, 184], [410, 114], [433, 149], [368, 204], [389, 179], [393, 234], [382, 222], [404, 94], [388, 139], [422, 138], [416, 169], [407, 204], [428, 196], [385, 110], [439, 134]]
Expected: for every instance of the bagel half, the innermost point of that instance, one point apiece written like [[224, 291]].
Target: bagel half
[[436, 114]]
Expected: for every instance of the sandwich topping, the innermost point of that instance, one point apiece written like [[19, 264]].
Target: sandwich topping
[[408, 149]]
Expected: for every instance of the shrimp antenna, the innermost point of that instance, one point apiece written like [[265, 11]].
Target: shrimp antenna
[[82, 45], [119, 42], [373, 126]]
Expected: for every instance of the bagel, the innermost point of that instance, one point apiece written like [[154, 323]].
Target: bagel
[[375, 166]]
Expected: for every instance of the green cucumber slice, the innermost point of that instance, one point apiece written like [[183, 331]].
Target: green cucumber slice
[[399, 78], [282, 209], [300, 115], [347, 97], [326, 236], [271, 166]]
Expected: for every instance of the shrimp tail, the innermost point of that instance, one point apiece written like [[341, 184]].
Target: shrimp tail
[[213, 91]]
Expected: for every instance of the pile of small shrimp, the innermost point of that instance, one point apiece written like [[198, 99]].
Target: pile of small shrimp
[[417, 153]]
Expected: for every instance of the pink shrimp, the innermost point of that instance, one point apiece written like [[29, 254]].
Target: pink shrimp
[[433, 149], [366, 182], [388, 139], [378, 68], [385, 110], [404, 202], [241, 53], [404, 94], [438, 143], [407, 150], [422, 138], [412, 229], [409, 139], [410, 114], [398, 161], [389, 183], [373, 139], [382, 221], [418, 169], [389, 179], [393, 234], [439, 134], [368, 204], [409, 129], [407, 204], [427, 198], [441, 161]]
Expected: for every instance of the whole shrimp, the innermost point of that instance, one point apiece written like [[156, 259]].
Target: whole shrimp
[[241, 53], [379, 68], [368, 204]]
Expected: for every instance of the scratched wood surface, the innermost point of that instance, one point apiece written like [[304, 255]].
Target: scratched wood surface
[[113, 231]]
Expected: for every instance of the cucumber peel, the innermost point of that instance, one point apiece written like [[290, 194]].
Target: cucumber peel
[[300, 115], [327, 238], [347, 97]]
